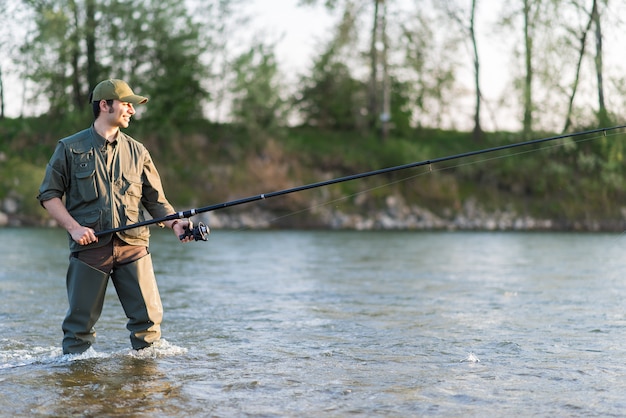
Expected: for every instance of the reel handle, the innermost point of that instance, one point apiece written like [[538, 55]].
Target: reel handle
[[199, 232]]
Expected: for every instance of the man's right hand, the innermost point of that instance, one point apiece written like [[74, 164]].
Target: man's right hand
[[83, 235]]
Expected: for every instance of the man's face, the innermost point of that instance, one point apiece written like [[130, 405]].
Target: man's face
[[119, 114]]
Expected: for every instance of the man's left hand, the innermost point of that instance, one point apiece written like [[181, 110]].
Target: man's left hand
[[180, 227]]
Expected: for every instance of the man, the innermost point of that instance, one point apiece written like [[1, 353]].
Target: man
[[107, 178]]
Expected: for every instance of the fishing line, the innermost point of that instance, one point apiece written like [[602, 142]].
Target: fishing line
[[263, 196], [432, 170]]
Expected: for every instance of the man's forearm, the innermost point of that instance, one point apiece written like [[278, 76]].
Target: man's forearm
[[59, 213]]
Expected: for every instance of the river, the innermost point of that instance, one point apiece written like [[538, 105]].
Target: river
[[333, 324]]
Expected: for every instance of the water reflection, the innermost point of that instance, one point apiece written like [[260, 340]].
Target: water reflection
[[119, 386]]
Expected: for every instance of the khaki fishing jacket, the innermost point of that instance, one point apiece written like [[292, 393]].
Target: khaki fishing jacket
[[104, 196]]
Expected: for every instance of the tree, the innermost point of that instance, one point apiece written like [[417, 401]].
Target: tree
[[91, 25], [455, 13], [46, 55], [430, 65], [592, 27], [378, 93], [1, 95], [257, 103], [4, 48], [604, 118], [537, 23], [330, 97], [152, 45], [223, 23], [378, 85], [529, 14]]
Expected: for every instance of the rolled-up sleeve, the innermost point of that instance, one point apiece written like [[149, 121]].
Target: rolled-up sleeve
[[55, 181]]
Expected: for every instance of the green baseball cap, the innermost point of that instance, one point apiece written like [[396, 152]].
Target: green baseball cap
[[113, 89]]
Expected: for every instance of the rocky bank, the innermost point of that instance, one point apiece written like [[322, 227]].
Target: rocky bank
[[396, 215]]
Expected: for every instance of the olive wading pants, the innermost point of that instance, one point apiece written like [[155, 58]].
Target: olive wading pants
[[130, 269]]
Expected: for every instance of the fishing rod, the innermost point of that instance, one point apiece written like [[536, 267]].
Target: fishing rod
[[200, 231]]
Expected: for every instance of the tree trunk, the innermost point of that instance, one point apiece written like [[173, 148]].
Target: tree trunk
[[477, 134], [528, 98], [603, 114], [385, 117], [581, 54], [90, 40], [1, 96], [373, 93], [75, 57]]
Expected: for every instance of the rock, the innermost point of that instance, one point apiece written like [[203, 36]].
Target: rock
[[10, 205]]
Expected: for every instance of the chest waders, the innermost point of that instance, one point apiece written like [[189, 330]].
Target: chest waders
[[136, 289]]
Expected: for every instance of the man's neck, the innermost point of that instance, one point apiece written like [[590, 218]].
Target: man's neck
[[108, 132]]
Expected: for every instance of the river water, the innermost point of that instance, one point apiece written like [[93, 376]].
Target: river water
[[309, 324]]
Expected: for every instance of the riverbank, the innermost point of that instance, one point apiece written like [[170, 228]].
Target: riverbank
[[569, 186]]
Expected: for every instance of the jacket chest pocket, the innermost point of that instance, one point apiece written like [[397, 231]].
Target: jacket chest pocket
[[133, 186], [85, 174]]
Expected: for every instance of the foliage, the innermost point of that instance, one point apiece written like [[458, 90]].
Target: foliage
[[257, 104], [19, 181], [330, 98], [431, 67], [155, 46]]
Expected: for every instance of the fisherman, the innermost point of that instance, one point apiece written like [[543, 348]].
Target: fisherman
[[107, 178]]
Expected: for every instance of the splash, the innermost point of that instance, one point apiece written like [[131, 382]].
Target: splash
[[89, 354], [471, 358], [161, 348], [16, 354]]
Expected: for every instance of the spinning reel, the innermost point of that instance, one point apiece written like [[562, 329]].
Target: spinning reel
[[199, 232]]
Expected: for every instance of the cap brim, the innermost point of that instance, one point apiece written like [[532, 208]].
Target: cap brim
[[134, 99]]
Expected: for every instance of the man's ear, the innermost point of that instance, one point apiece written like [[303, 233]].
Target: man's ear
[[104, 107]]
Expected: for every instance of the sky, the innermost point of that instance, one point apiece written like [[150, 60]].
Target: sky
[[300, 29]]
